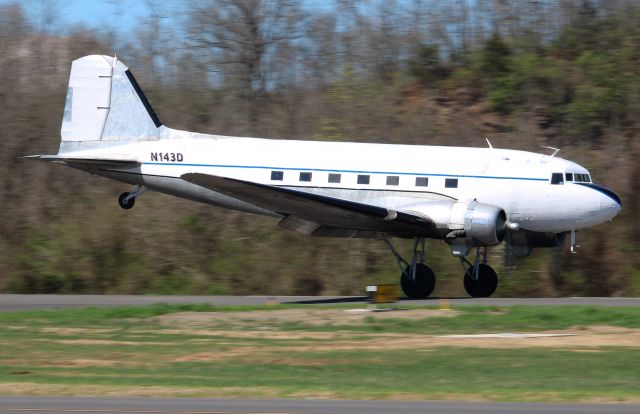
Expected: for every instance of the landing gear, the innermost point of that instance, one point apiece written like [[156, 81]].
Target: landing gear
[[574, 244], [480, 280], [421, 284], [127, 200], [485, 284], [417, 279]]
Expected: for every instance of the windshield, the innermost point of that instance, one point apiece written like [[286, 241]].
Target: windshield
[[581, 178], [576, 177]]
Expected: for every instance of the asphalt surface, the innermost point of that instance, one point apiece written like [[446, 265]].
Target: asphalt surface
[[25, 302], [36, 405]]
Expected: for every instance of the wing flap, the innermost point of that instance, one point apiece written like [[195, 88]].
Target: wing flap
[[314, 208]]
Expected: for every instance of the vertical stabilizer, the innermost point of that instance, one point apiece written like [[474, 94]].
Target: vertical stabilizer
[[105, 103]]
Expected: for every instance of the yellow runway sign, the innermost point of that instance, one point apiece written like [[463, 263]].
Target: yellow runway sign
[[383, 293]]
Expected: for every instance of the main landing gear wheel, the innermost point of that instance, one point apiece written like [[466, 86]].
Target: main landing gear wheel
[[486, 284], [422, 285], [124, 203], [417, 279]]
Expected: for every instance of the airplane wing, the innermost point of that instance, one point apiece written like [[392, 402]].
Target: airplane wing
[[316, 214], [85, 161]]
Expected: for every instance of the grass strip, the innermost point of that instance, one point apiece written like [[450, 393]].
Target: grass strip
[[126, 350]]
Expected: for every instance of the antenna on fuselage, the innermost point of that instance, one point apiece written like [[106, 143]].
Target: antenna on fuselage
[[555, 150], [488, 142]]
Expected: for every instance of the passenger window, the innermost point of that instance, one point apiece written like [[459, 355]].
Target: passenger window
[[451, 183], [556, 178], [393, 180], [276, 175], [305, 176], [568, 177], [334, 178], [363, 179], [422, 181]]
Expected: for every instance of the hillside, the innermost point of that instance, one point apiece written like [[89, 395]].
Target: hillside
[[61, 231]]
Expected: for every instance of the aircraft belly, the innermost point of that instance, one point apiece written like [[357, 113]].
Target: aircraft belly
[[180, 188]]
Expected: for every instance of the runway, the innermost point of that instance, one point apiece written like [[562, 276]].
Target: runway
[[11, 302], [36, 405]]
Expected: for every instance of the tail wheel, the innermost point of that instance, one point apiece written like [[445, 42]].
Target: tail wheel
[[124, 203], [486, 284], [422, 285]]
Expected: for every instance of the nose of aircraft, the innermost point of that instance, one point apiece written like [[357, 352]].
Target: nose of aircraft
[[610, 203], [601, 204]]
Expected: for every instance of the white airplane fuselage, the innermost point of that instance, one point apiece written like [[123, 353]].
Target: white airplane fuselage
[[517, 181]]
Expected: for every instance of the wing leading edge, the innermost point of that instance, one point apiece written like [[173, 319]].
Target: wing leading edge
[[316, 214]]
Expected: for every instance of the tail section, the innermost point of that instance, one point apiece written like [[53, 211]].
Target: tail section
[[105, 103]]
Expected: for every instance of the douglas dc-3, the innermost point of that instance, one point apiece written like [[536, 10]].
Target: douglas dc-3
[[468, 197]]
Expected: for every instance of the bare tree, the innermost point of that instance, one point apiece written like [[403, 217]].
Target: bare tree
[[386, 34], [320, 55], [243, 38]]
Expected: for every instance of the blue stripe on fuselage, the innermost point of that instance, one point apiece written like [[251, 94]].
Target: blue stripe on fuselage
[[604, 190], [344, 171]]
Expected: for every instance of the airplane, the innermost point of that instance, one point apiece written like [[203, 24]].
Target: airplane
[[471, 198]]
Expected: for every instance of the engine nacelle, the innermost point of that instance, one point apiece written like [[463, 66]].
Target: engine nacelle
[[478, 224]]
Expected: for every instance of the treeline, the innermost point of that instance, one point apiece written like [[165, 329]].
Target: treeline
[[525, 74]]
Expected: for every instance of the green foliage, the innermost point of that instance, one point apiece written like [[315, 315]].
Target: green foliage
[[583, 92], [495, 61], [504, 95], [427, 65], [492, 70], [599, 96]]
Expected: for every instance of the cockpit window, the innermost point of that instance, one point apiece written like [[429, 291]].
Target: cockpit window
[[557, 178], [576, 178], [582, 178]]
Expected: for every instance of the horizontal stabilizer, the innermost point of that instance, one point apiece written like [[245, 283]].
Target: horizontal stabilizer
[[80, 160], [315, 208]]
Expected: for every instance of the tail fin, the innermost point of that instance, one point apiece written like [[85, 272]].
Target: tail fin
[[105, 103]]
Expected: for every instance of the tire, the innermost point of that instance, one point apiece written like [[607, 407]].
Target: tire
[[423, 284], [486, 284], [126, 204]]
